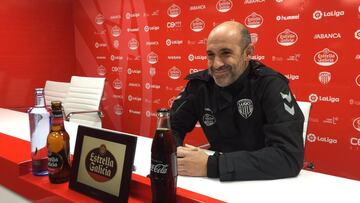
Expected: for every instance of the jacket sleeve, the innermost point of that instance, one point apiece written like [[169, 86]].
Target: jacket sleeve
[[183, 115], [283, 153]]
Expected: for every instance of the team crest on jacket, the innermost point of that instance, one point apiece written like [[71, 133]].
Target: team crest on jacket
[[245, 107], [208, 118]]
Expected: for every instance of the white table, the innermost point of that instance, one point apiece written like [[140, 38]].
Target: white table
[[307, 187]]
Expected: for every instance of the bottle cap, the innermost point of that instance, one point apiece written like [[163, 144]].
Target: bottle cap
[[56, 105]]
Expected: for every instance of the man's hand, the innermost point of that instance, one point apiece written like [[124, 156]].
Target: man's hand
[[191, 161]]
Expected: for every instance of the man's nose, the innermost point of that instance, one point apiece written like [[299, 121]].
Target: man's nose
[[218, 62]]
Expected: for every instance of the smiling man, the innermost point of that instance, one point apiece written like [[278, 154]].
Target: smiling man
[[246, 111]]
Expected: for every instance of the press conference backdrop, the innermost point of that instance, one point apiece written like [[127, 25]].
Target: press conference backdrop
[[146, 48]]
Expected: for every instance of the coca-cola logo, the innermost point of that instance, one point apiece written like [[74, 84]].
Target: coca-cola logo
[[174, 11], [101, 164], [197, 25], [99, 19], [152, 58], [159, 168], [133, 44], [174, 73], [224, 6], [254, 20], [116, 31], [287, 38], [325, 57]]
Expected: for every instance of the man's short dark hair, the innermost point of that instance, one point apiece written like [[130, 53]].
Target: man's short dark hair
[[245, 38]]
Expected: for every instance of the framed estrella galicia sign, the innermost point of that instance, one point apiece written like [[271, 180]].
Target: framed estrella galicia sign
[[102, 164]]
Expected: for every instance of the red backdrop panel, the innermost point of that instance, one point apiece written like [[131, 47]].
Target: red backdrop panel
[[145, 49]]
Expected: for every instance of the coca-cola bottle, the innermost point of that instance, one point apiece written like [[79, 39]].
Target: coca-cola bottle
[[163, 171]]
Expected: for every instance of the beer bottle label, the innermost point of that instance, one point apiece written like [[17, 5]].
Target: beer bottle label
[[55, 162]]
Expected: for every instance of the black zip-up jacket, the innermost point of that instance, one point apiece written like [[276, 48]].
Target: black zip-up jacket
[[254, 125]]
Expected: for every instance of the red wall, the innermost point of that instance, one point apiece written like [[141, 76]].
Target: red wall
[[36, 44], [146, 48]]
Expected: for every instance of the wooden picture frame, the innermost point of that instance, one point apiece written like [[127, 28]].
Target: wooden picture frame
[[102, 164]]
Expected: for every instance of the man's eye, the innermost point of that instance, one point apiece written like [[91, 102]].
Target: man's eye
[[225, 53]]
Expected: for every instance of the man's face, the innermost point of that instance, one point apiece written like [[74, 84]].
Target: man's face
[[226, 59]]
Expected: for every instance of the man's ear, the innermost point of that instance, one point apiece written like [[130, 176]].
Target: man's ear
[[250, 51]]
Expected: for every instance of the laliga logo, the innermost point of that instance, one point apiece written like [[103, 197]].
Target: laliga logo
[[174, 11], [325, 57], [324, 77], [99, 19], [168, 42], [254, 20], [152, 58], [197, 25], [118, 110], [357, 34], [191, 57], [317, 15], [356, 124], [311, 137], [313, 98], [287, 38], [224, 6]]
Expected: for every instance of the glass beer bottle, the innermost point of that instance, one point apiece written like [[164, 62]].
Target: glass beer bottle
[[39, 120], [58, 147], [163, 171]]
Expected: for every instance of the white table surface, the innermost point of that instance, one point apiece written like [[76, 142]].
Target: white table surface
[[307, 187]]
